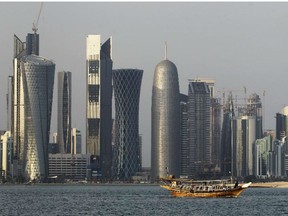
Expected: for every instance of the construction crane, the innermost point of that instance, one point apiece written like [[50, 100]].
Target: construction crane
[[35, 29]]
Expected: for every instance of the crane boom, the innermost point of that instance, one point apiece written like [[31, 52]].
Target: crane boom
[[35, 27]]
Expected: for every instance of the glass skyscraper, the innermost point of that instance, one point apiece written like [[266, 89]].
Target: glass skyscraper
[[64, 112], [99, 104], [199, 136], [127, 85], [33, 96], [34, 81]]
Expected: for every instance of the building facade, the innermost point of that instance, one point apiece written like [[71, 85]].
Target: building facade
[[244, 137], [227, 136], [127, 86], [6, 154], [199, 125], [184, 156], [165, 121], [99, 104], [76, 141], [10, 104], [69, 166], [64, 112], [33, 76]]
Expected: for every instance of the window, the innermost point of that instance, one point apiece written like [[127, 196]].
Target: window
[[94, 66]]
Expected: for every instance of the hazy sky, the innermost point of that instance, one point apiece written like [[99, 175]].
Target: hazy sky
[[237, 44]]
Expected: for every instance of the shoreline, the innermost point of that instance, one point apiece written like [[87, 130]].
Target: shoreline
[[281, 184]]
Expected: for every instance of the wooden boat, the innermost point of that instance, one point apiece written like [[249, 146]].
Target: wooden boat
[[209, 188]]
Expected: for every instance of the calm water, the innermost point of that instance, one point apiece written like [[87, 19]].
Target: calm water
[[134, 200]]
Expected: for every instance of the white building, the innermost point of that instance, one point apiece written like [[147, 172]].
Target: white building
[[6, 154], [76, 141]]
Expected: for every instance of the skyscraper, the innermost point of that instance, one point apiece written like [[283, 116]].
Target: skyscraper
[[64, 112], [33, 94], [127, 85], [99, 104], [199, 137], [165, 121], [227, 136], [244, 137], [184, 155], [10, 104], [33, 78]]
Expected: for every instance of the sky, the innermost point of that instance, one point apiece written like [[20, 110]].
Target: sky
[[236, 44]]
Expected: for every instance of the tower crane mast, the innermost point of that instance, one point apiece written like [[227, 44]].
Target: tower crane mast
[[35, 29]]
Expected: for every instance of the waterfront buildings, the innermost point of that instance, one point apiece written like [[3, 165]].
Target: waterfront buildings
[[64, 112], [127, 85], [165, 121], [99, 104], [33, 76]]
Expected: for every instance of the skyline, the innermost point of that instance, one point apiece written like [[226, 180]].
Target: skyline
[[228, 42]]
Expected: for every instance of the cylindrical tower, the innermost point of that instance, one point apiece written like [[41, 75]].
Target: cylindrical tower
[[165, 121], [127, 84], [36, 88]]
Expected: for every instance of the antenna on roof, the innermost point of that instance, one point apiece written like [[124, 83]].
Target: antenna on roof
[[165, 50]]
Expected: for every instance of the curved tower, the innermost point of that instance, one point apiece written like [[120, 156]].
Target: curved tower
[[64, 112], [33, 107], [127, 84], [165, 121]]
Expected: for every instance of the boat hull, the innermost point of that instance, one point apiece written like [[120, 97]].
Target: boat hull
[[235, 192]]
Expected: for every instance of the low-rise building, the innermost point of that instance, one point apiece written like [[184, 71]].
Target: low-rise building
[[69, 166]]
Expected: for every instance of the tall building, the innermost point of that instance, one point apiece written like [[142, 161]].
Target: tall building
[[184, 154], [216, 111], [282, 123], [227, 136], [263, 147], [99, 104], [33, 76], [10, 104], [165, 121], [127, 85], [244, 137], [215, 124], [64, 112], [254, 108], [199, 136], [76, 141]]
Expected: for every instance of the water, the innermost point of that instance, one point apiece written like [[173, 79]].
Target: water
[[134, 200]]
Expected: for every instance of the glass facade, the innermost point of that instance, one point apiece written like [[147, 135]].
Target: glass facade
[[64, 112], [99, 104], [127, 84], [34, 81], [165, 122], [199, 137]]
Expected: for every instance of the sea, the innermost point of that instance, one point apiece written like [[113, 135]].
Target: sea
[[134, 200]]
